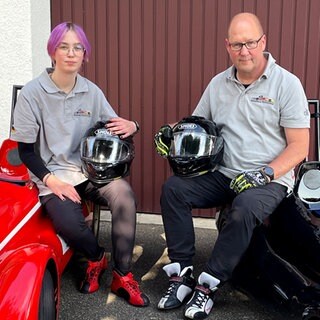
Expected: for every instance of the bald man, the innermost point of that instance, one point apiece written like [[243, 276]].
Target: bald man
[[262, 113]]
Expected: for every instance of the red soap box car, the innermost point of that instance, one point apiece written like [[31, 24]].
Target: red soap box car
[[32, 255]]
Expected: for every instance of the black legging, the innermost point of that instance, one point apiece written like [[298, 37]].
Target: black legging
[[69, 222]]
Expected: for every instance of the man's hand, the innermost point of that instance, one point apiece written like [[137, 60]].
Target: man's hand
[[162, 140], [249, 179]]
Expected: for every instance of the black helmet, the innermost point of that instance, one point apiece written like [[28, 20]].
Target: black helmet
[[196, 148], [105, 156], [307, 186]]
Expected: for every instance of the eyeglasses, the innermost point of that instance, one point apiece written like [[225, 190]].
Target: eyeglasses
[[250, 45], [77, 49]]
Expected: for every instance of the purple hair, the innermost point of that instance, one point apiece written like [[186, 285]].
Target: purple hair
[[58, 33]]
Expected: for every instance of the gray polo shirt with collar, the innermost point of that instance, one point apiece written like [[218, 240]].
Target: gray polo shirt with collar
[[56, 122], [252, 119]]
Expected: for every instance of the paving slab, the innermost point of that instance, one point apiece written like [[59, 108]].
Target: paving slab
[[150, 256]]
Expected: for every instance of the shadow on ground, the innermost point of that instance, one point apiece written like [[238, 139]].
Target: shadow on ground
[[150, 256]]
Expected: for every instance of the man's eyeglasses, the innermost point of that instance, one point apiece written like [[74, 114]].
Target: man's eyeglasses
[[237, 46], [77, 49]]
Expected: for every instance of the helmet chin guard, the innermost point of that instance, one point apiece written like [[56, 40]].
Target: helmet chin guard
[[196, 148], [104, 156]]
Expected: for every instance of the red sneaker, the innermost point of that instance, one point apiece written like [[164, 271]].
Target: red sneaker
[[127, 288], [94, 271]]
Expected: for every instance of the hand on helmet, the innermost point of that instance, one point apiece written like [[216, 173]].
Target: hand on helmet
[[122, 127], [162, 140], [249, 179]]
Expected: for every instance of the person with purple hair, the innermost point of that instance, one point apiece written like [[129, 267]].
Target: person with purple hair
[[52, 115]]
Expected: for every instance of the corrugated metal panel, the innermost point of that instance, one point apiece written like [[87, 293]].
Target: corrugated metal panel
[[153, 59]]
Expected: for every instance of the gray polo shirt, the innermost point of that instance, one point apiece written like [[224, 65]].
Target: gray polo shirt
[[252, 119], [56, 122]]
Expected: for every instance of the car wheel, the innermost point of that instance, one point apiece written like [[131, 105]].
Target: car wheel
[[47, 306]]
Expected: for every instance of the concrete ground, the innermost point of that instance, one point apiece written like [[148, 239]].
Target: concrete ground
[[150, 255]]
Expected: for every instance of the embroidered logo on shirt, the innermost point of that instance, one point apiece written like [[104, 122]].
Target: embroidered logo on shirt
[[262, 99], [82, 113]]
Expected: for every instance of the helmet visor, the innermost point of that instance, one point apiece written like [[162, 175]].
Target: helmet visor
[[192, 144], [105, 150], [309, 189]]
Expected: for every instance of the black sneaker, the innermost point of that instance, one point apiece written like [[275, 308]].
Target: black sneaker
[[181, 286], [202, 300]]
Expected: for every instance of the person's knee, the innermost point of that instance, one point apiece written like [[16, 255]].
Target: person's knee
[[246, 201], [172, 186], [171, 182], [243, 208], [118, 191], [123, 201], [127, 199]]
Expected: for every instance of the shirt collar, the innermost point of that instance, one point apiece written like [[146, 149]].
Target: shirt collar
[[270, 64], [49, 86]]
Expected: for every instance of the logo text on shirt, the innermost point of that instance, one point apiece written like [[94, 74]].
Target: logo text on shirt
[[262, 99], [82, 113]]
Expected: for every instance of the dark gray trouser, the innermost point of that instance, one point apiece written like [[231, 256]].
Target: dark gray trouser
[[69, 222], [248, 209]]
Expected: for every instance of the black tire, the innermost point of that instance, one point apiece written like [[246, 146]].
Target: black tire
[[47, 305]]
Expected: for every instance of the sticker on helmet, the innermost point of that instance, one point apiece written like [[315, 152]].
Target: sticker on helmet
[[187, 126], [103, 132]]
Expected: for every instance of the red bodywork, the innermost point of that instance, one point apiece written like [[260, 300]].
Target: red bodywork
[[29, 245]]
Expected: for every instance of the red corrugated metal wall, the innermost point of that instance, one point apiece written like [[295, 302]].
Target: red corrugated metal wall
[[153, 59]]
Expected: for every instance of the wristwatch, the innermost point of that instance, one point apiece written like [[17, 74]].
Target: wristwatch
[[137, 125], [269, 172]]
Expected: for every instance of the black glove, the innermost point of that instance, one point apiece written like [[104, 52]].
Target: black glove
[[249, 179], [162, 140]]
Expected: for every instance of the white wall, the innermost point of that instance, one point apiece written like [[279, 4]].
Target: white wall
[[24, 31]]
